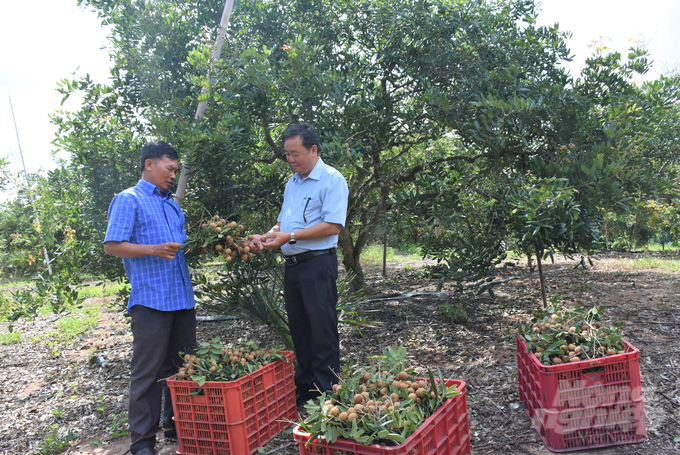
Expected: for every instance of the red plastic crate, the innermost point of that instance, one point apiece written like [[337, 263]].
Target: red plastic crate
[[446, 432], [586, 404], [235, 417]]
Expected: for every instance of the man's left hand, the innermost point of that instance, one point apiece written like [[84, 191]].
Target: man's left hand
[[274, 240]]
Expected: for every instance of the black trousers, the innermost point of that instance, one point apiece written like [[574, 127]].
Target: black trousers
[[311, 296], [157, 339]]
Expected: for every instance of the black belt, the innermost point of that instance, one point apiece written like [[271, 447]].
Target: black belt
[[302, 257]]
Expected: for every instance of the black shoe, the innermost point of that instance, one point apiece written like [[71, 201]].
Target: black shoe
[[148, 450], [170, 435]]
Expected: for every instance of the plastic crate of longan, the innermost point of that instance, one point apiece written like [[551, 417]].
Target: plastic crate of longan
[[446, 432], [585, 404], [235, 417]]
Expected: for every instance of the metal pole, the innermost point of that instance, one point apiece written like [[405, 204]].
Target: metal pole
[[217, 51], [30, 192]]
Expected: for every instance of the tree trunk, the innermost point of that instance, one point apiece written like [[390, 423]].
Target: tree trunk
[[350, 259], [632, 236], [606, 233], [384, 270], [530, 262], [541, 278]]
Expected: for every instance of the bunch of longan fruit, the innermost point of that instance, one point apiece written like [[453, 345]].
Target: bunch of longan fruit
[[582, 337], [230, 364], [221, 238], [376, 394]]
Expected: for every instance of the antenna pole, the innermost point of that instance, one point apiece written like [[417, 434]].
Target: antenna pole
[[30, 192]]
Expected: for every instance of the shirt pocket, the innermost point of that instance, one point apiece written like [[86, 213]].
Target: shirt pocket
[[175, 222], [310, 210]]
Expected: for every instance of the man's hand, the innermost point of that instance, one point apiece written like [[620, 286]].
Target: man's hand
[[256, 243], [166, 250], [273, 240], [133, 250]]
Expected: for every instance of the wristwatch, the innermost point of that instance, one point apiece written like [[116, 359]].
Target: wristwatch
[[292, 240]]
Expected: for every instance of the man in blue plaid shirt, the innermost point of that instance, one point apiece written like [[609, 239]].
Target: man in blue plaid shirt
[[146, 229]]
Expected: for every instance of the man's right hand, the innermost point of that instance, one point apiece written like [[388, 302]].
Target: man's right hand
[[132, 250], [256, 243], [166, 250]]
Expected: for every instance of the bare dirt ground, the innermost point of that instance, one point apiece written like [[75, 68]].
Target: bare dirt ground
[[82, 388]]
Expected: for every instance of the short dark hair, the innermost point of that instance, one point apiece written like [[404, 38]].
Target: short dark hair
[[157, 150], [306, 132]]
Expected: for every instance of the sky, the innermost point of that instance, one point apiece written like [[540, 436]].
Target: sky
[[45, 41]]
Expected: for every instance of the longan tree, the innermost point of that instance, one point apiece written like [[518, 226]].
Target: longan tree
[[381, 81]]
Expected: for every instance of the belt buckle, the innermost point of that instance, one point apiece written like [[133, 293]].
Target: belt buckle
[[294, 259]]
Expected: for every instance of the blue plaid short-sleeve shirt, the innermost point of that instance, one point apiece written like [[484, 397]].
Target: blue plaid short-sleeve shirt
[[143, 216]]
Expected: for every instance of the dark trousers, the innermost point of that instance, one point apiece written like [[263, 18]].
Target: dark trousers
[[157, 339], [311, 296]]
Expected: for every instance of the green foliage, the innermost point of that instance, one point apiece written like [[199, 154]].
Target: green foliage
[[368, 406], [453, 313], [546, 216], [52, 215], [119, 426], [50, 291], [4, 172], [11, 338], [54, 443], [466, 258]]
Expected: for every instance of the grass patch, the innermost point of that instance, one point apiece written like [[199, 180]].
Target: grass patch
[[71, 328], [11, 338], [13, 284], [668, 248], [373, 254], [105, 289], [668, 265]]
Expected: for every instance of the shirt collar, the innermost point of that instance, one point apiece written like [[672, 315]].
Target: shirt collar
[[315, 174], [150, 188]]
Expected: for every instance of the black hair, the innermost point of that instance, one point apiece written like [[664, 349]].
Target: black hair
[[156, 151], [306, 132]]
